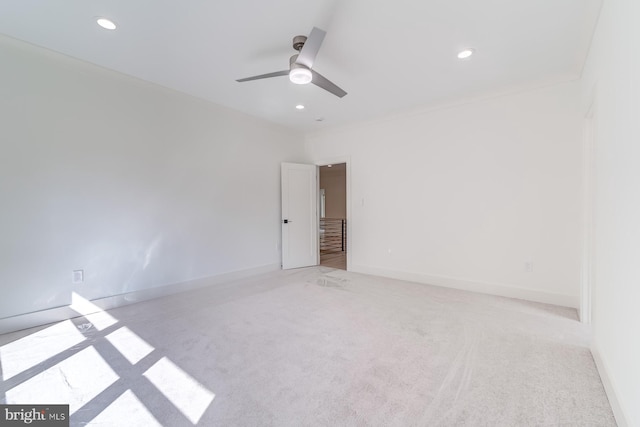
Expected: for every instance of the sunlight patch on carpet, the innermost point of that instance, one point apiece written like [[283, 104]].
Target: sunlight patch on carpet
[[74, 381], [126, 410], [94, 314], [27, 352], [187, 394], [132, 347]]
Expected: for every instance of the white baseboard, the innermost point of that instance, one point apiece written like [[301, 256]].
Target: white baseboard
[[609, 388], [39, 318], [502, 290]]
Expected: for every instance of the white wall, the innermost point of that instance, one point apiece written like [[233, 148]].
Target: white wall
[[137, 185], [611, 81], [463, 196]]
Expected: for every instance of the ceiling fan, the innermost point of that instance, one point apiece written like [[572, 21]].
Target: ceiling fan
[[300, 65]]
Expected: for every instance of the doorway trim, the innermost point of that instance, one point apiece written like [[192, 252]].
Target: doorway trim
[[334, 161], [587, 274]]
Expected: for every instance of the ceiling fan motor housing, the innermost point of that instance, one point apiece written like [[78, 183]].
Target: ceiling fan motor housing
[[292, 62]]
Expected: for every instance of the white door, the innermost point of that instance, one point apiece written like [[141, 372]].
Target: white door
[[299, 215]]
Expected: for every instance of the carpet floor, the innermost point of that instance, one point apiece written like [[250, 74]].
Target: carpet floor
[[313, 347]]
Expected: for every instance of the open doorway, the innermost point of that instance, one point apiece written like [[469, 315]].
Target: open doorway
[[333, 215]]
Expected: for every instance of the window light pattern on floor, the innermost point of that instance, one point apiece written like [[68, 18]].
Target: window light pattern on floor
[[66, 363]]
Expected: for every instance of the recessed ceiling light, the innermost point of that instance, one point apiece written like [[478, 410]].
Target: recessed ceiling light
[[464, 54], [329, 166], [106, 23], [300, 107]]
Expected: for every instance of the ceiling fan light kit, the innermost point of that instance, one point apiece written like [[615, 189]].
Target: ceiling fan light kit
[[301, 65], [299, 74]]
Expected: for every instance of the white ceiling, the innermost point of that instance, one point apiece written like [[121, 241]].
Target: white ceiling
[[388, 56]]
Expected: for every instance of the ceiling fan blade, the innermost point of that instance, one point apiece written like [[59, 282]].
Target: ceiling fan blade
[[311, 47], [265, 76], [325, 84]]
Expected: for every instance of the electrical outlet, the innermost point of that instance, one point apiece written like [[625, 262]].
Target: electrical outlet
[[528, 267], [78, 276]]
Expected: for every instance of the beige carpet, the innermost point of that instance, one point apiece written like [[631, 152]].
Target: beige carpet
[[313, 347]]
